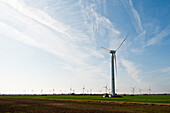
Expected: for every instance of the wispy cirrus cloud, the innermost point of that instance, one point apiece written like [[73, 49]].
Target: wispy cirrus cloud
[[131, 69], [166, 70], [76, 46], [158, 37], [139, 40], [41, 17], [153, 29], [135, 17], [98, 24]]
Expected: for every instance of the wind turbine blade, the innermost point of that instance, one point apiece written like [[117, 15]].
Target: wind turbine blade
[[122, 42], [106, 48], [115, 65]]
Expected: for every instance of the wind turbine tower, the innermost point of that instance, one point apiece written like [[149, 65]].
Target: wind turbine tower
[[140, 90], [41, 91], [83, 89], [90, 91], [133, 90], [70, 90], [106, 88], [149, 90], [53, 91], [113, 62]]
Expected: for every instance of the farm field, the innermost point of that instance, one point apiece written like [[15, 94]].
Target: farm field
[[84, 103], [164, 99]]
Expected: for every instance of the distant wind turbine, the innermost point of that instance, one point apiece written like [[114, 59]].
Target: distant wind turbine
[[113, 62], [109, 90], [87, 91], [117, 91], [140, 90], [149, 90], [70, 90], [90, 91], [133, 90], [53, 91], [100, 91], [41, 91], [73, 91], [106, 88], [83, 89]]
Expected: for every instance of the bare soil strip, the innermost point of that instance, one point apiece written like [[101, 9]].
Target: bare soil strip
[[44, 105]]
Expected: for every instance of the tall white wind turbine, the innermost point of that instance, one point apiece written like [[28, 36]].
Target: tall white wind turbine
[[113, 62]]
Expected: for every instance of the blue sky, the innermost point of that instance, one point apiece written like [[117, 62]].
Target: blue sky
[[56, 44]]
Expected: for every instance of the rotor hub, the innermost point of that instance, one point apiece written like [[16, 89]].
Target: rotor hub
[[112, 51]]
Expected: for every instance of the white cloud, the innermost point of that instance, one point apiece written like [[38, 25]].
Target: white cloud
[[136, 22], [131, 69], [37, 28], [13, 33], [158, 37], [166, 70], [97, 22], [135, 17], [41, 17]]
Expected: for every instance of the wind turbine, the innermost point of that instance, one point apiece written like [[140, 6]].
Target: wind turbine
[[149, 90], [41, 91], [140, 90], [70, 90], [90, 91], [133, 90], [106, 88], [117, 91], [83, 89], [73, 91], [113, 62], [53, 91]]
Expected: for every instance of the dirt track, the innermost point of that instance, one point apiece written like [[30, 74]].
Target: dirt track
[[37, 105]]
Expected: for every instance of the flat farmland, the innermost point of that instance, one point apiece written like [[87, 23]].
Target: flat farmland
[[84, 104]]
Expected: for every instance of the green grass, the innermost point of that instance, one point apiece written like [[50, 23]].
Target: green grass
[[138, 98]]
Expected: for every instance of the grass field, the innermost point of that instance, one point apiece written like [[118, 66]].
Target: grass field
[[164, 99], [84, 104]]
